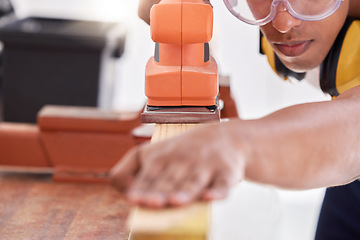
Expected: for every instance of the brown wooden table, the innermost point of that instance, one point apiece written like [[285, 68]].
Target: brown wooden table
[[34, 207]]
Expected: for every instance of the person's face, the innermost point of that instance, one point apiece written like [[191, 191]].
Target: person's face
[[303, 45]]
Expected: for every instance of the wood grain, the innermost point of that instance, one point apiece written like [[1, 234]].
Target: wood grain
[[185, 223], [34, 207]]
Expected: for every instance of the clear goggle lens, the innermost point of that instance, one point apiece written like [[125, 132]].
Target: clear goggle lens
[[261, 12]]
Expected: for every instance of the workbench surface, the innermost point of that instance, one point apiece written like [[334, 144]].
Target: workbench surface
[[32, 206]]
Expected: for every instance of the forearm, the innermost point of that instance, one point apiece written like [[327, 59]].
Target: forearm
[[304, 146], [144, 9]]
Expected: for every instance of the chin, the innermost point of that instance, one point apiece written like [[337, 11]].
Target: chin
[[299, 66]]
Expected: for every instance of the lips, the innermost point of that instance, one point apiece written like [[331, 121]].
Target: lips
[[293, 49]]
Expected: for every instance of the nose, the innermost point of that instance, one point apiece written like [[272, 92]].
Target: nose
[[284, 21]]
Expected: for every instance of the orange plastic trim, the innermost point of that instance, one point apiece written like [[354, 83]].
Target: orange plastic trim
[[20, 146], [181, 73]]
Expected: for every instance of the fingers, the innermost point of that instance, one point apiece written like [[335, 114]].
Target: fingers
[[161, 182], [122, 174], [191, 188], [167, 181], [168, 185], [142, 189], [219, 189], [189, 167]]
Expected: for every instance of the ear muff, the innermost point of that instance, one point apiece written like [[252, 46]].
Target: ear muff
[[339, 71], [329, 67]]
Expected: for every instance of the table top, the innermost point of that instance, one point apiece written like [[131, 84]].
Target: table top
[[32, 206]]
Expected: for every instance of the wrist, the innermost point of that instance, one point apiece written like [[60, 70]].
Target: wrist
[[234, 135]]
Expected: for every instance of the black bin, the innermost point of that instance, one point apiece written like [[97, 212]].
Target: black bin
[[59, 62]]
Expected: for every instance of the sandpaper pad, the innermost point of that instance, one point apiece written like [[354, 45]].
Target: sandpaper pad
[[180, 114]]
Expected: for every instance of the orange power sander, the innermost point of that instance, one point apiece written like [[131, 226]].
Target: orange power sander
[[181, 79]]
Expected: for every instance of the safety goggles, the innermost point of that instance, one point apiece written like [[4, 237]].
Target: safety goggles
[[261, 12]]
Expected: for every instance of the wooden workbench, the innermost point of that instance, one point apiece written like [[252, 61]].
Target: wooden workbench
[[34, 207]]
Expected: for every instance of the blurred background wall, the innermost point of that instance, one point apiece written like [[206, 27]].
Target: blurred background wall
[[235, 45], [257, 90]]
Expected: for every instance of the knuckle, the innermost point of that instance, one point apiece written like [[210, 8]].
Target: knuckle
[[223, 181], [198, 177]]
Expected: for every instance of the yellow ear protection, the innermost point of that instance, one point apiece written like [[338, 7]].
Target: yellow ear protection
[[339, 71]]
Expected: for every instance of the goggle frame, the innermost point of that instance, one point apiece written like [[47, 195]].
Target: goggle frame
[[273, 12]]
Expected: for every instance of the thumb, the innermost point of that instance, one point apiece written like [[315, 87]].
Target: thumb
[[122, 174]]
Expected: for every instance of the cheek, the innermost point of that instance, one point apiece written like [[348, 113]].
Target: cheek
[[258, 10], [322, 33]]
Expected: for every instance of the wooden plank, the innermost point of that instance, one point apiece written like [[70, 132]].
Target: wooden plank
[[191, 222], [164, 131]]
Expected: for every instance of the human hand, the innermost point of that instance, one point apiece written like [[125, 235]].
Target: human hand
[[145, 6], [201, 164]]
